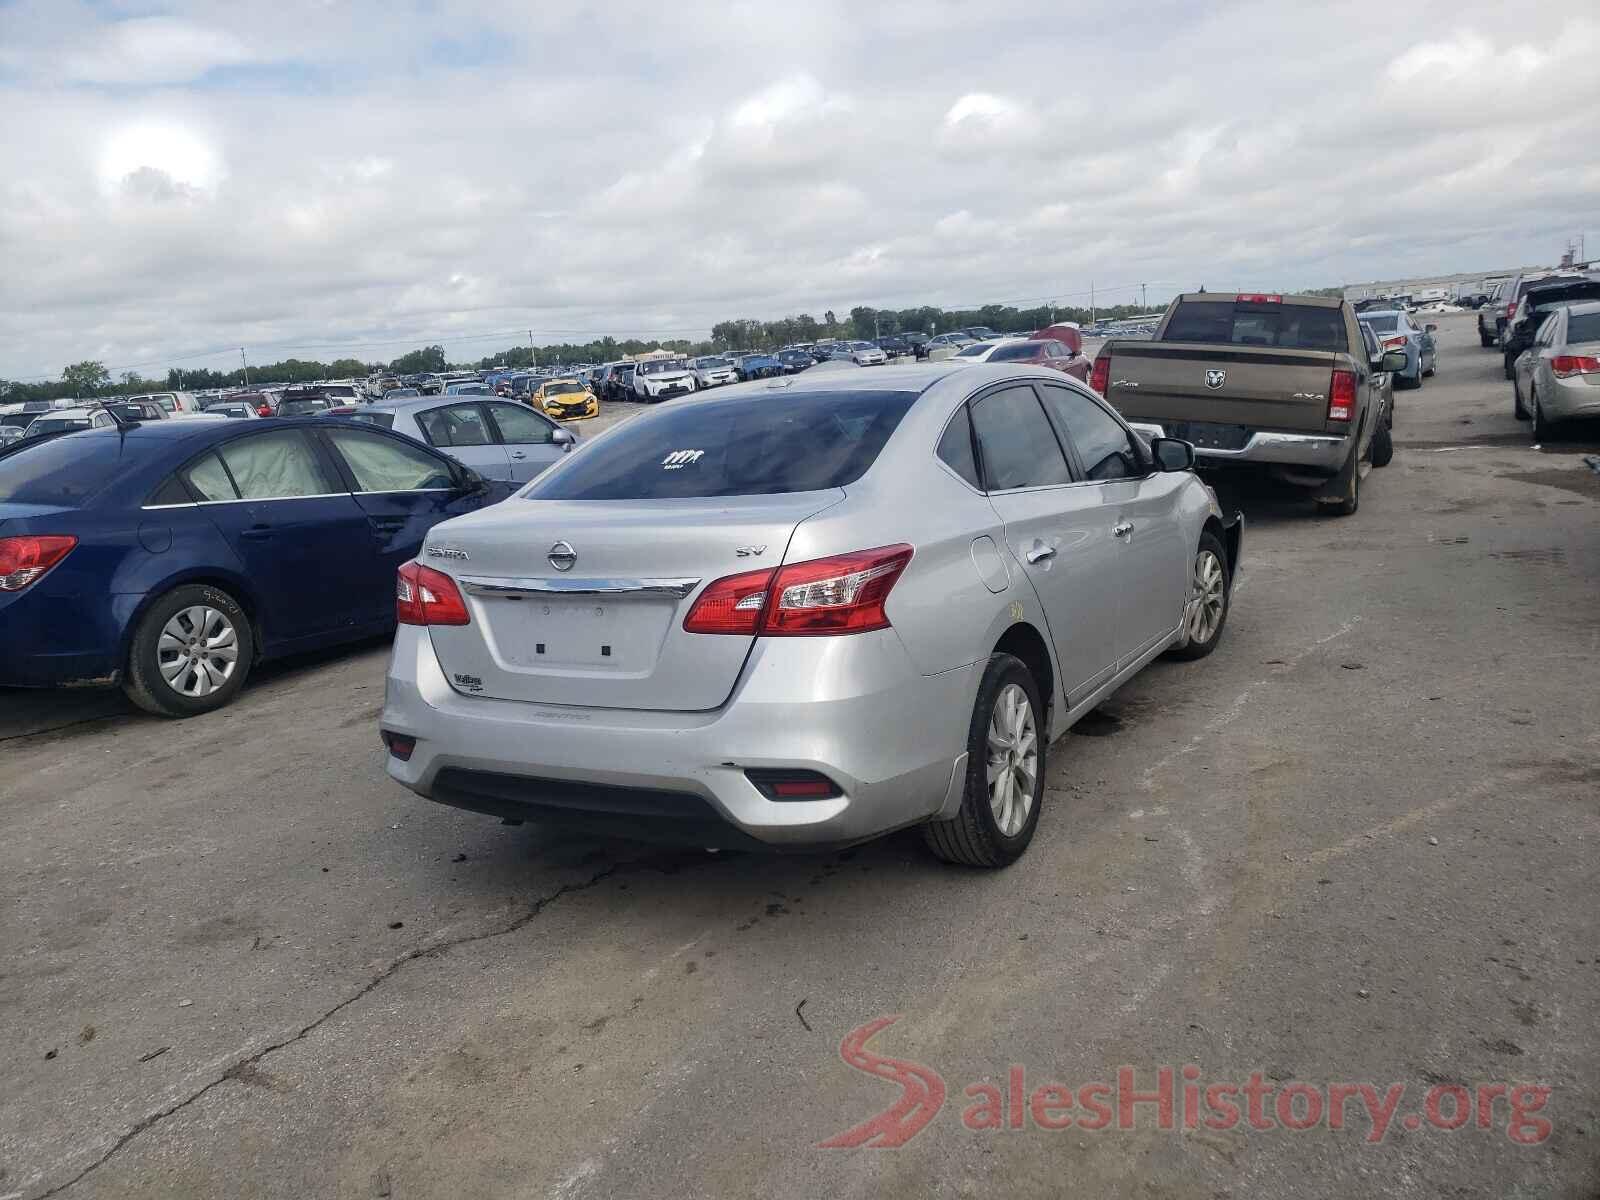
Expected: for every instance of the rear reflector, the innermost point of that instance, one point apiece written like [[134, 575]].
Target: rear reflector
[[842, 594], [1100, 373], [1567, 365], [423, 596], [1258, 298], [400, 746], [24, 559], [793, 785], [1342, 396]]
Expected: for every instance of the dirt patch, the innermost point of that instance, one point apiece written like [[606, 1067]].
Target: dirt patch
[[1582, 483]]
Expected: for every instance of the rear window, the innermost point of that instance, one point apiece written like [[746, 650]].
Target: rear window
[[1583, 328], [381, 420], [1382, 324], [766, 445], [65, 470], [1286, 326], [1021, 351]]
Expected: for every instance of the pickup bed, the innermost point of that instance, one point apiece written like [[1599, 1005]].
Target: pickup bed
[[1293, 383]]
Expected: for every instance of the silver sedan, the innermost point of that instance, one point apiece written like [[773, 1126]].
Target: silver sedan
[[806, 611], [1558, 377], [499, 439]]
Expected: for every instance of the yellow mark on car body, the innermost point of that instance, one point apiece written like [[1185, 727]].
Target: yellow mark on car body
[[1016, 610]]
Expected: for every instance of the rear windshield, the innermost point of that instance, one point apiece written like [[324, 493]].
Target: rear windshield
[[748, 446], [57, 424], [1287, 326], [1382, 324], [382, 420], [1584, 327], [1022, 350], [65, 470]]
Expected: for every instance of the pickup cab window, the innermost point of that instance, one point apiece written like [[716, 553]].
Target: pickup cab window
[[1285, 326]]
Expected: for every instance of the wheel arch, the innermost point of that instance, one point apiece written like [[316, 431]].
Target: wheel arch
[[1025, 642]]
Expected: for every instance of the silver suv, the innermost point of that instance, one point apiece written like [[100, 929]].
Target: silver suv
[[1495, 315]]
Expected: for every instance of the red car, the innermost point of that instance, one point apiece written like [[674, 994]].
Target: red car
[[1044, 352]]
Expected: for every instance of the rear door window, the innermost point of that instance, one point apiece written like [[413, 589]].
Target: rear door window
[[208, 478], [455, 425], [521, 426], [776, 443], [1286, 326], [1017, 445]]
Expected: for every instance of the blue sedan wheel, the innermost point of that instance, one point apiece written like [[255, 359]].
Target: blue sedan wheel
[[190, 654]]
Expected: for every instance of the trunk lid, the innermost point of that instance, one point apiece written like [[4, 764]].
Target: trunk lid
[[607, 632], [1255, 387]]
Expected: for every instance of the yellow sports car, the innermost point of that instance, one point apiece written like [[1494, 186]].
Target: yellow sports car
[[566, 400]]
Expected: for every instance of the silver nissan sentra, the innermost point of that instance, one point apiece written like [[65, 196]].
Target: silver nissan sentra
[[806, 611]]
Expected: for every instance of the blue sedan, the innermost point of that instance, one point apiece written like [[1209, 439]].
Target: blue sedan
[[1395, 330], [170, 557]]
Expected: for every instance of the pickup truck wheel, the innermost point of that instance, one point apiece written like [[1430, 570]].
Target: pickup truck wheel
[[1347, 504], [191, 652], [1382, 447], [1005, 772], [1205, 611]]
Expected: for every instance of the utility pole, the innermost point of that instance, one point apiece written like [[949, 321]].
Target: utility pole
[[1144, 300], [1091, 302], [533, 355], [246, 363]]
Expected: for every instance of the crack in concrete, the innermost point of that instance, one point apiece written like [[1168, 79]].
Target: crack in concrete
[[434, 950]]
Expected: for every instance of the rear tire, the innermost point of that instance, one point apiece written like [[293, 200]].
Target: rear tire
[[1347, 504], [1006, 738], [1382, 447], [1484, 339], [191, 652], [1518, 409], [1510, 367], [1543, 430]]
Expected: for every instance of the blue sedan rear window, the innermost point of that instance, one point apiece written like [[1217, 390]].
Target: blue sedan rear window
[[66, 470]]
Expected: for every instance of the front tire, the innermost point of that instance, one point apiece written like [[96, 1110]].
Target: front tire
[[1205, 612], [1005, 772], [191, 652]]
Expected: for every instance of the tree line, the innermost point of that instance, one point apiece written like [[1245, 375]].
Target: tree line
[[90, 378]]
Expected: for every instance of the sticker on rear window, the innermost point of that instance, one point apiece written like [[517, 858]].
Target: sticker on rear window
[[679, 459]]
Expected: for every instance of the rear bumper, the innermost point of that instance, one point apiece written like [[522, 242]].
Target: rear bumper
[[854, 709], [1319, 451], [1571, 398]]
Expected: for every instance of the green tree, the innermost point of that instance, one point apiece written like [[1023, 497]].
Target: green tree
[[84, 378], [416, 362]]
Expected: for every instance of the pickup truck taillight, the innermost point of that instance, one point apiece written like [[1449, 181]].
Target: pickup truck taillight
[[1342, 396], [1258, 298], [1100, 375]]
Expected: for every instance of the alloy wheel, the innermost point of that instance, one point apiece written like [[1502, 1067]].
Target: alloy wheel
[[1013, 759], [1206, 597]]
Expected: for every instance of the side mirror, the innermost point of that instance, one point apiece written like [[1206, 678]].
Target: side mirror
[[1393, 360], [1431, 328], [564, 437], [1172, 454], [470, 482]]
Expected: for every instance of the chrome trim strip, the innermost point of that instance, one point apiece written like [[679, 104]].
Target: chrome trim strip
[[522, 589]]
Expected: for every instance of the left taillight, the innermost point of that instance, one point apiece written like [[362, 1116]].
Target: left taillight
[[844, 593], [423, 596], [1342, 396], [1394, 343], [1564, 366], [25, 558]]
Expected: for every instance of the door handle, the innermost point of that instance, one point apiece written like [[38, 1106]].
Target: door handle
[[257, 533], [1040, 553], [518, 454], [387, 524], [1123, 529]]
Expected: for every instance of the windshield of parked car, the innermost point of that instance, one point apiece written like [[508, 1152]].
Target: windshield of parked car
[[794, 442], [64, 470], [661, 367], [1382, 323], [300, 408], [1286, 326]]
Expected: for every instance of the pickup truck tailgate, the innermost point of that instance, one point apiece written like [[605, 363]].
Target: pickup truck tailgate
[[1256, 387]]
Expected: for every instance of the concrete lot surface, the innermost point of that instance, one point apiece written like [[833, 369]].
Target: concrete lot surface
[[1356, 845]]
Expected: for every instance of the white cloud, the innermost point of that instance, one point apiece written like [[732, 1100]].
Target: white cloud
[[366, 172]]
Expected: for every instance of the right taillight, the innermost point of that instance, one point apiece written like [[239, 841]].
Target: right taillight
[[1566, 365], [24, 559], [423, 596], [1342, 396], [1100, 374], [844, 593]]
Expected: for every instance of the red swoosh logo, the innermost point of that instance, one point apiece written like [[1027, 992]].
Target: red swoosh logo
[[921, 1095]]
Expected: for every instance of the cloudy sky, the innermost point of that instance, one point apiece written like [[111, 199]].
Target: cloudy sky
[[357, 177]]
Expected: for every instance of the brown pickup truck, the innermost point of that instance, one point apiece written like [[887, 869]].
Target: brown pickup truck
[[1292, 383]]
